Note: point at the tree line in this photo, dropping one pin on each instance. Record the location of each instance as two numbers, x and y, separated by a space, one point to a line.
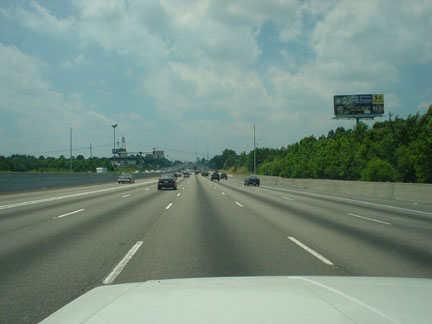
29 163
395 150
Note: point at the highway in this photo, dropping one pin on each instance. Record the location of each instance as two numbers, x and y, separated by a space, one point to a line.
56 245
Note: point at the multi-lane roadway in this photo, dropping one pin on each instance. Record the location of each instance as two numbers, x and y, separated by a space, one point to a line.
56 245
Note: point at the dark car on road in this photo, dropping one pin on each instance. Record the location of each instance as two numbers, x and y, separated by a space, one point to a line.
167 181
125 177
252 180
224 176
215 176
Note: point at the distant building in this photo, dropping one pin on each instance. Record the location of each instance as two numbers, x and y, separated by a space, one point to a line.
158 154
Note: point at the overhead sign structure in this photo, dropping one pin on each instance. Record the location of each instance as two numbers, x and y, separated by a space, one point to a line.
358 106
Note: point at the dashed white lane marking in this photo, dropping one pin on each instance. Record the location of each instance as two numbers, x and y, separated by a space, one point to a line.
147 189
125 196
178 195
367 218
314 253
238 204
183 188
71 213
25 203
169 206
223 193
114 274
287 198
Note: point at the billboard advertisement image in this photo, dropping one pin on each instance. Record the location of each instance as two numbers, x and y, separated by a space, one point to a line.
362 106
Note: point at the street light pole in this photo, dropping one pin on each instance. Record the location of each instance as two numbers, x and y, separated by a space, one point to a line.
254 152
70 160
114 127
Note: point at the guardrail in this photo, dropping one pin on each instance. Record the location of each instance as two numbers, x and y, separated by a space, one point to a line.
412 192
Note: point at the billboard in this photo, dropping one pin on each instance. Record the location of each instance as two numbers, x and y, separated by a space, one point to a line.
358 106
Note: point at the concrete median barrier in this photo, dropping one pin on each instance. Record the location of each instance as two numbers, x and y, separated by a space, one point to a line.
412 192
23 181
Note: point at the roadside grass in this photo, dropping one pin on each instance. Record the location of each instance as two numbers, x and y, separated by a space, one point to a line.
236 171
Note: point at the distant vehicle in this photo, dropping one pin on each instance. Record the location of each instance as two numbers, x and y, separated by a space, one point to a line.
101 170
196 171
186 175
215 176
204 171
224 176
252 180
177 174
125 177
167 181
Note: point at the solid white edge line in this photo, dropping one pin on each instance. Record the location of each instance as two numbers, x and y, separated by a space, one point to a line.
308 249
71 213
32 202
347 199
367 218
238 204
118 269
169 206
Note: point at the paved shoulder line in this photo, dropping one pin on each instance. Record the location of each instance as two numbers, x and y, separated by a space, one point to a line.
32 202
118 269
314 253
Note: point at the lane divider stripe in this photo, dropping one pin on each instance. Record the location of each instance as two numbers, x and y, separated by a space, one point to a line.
238 204
314 253
169 206
118 269
371 219
71 213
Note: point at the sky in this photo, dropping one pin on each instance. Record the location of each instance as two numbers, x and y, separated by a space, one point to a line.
194 76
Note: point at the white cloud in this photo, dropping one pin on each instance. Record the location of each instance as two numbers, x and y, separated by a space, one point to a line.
202 58
41 20
42 115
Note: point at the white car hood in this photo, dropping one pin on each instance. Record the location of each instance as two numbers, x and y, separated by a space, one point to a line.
255 300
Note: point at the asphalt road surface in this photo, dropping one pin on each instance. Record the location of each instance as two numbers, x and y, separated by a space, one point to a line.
56 245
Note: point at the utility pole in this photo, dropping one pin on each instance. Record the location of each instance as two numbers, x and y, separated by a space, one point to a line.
196 148
207 151
91 158
254 152
70 160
